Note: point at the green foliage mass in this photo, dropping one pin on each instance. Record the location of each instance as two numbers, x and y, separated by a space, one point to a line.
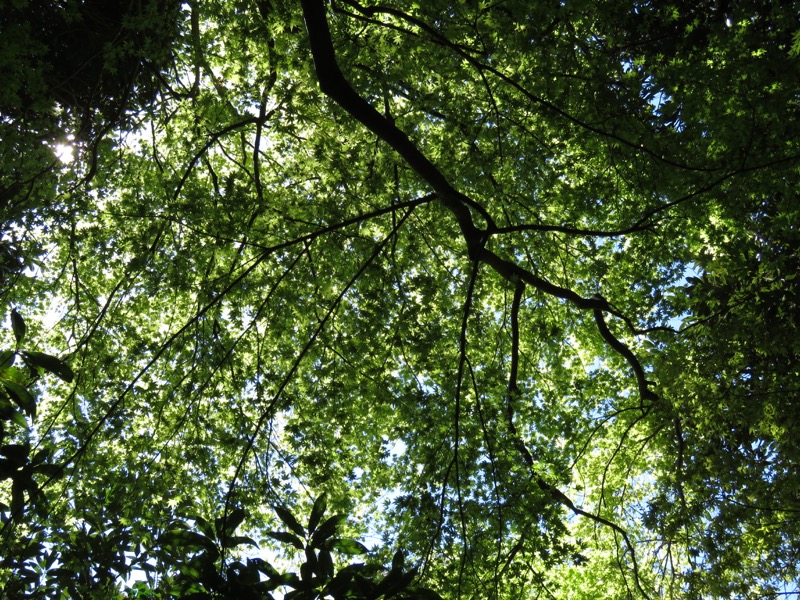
512 286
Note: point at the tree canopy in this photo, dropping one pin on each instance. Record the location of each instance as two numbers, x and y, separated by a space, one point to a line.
512 286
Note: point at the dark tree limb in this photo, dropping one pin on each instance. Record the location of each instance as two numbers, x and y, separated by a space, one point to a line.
335 85
513 390
468 55
556 494
645 393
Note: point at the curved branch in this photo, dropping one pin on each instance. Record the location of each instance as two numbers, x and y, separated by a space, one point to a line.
556 494
462 362
438 38
513 390
333 84
645 393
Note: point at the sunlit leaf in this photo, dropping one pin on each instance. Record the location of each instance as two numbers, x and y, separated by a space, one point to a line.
18 418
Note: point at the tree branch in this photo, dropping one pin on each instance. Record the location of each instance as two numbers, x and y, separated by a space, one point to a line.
465 53
543 485
333 84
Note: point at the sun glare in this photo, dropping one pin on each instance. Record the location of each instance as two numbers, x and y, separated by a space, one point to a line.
64 153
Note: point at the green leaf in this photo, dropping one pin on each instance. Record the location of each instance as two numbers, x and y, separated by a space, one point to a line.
21 396
238 540
49 469
265 567
18 418
289 520
18 325
17 499
49 363
283 536
395 582
40 456
7 359
311 560
794 50
226 525
306 575
348 546
317 512
398 560
325 564
327 530
204 526
184 538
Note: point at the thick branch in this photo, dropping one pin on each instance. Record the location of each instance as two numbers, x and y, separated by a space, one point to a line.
467 55
645 392
333 84
513 390
556 494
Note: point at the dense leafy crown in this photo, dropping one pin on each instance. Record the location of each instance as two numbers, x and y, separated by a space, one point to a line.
514 284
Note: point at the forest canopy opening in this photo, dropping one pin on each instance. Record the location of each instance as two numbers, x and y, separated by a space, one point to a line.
508 290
